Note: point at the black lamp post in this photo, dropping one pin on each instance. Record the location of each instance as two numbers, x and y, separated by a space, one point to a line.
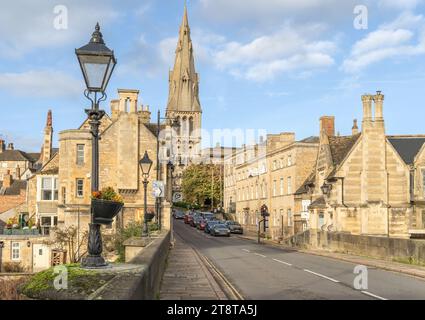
97 63
145 164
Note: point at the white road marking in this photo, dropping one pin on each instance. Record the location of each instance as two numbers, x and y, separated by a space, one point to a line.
321 275
257 254
373 295
246 250
280 261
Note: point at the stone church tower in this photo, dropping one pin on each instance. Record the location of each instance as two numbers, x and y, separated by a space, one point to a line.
183 104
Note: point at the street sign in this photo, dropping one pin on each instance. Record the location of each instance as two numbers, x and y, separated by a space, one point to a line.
177 197
158 189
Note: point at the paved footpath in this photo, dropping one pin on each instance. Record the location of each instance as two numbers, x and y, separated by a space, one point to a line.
186 277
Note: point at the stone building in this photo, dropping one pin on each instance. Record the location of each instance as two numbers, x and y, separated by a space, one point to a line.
367 183
18 163
184 104
124 138
268 173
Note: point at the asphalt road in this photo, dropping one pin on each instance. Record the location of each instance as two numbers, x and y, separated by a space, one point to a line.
266 272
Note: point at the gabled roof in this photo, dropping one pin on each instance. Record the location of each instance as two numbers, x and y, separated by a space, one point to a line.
14 189
17 155
310 180
153 127
312 139
407 147
340 146
318 203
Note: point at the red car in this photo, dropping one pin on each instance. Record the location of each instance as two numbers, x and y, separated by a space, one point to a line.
188 218
202 224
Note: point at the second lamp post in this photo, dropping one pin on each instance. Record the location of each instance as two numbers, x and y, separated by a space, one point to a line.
145 165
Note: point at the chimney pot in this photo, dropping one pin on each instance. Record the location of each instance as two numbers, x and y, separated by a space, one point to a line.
10 146
355 128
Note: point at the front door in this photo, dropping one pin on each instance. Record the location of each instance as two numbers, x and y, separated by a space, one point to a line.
41 257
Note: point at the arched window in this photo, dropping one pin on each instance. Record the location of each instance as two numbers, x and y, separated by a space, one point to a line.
179 130
184 126
190 126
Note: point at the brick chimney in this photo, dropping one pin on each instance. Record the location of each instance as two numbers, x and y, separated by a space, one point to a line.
2 145
355 128
7 180
327 125
10 146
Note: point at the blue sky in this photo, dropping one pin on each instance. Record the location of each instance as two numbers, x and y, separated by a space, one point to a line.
272 64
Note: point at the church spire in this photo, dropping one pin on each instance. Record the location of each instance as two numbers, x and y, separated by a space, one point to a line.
183 79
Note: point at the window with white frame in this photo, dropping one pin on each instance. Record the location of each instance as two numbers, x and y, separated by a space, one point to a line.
281 186
289 182
274 165
80 188
80 154
289 218
49 189
16 251
274 188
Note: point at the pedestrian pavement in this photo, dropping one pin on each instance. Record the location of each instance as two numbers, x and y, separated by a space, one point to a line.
186 277
409 269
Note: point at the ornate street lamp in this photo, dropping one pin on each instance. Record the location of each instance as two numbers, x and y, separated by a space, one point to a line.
145 164
97 63
326 189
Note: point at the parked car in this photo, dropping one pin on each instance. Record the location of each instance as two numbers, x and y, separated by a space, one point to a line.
208 215
220 229
188 217
194 222
201 225
210 224
234 227
178 214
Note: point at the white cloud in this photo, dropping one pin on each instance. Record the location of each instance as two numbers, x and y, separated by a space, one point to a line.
29 25
46 83
274 10
264 58
400 4
405 36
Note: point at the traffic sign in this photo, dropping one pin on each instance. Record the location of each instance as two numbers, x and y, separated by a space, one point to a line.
158 189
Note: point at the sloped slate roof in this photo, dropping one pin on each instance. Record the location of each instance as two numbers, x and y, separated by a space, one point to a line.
312 139
340 146
318 203
14 189
303 188
407 147
153 127
16 155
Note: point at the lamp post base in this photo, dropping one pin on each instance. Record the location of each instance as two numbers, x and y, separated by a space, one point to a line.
94 258
93 262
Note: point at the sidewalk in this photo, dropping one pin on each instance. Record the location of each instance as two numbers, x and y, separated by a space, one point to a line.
413 270
187 278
